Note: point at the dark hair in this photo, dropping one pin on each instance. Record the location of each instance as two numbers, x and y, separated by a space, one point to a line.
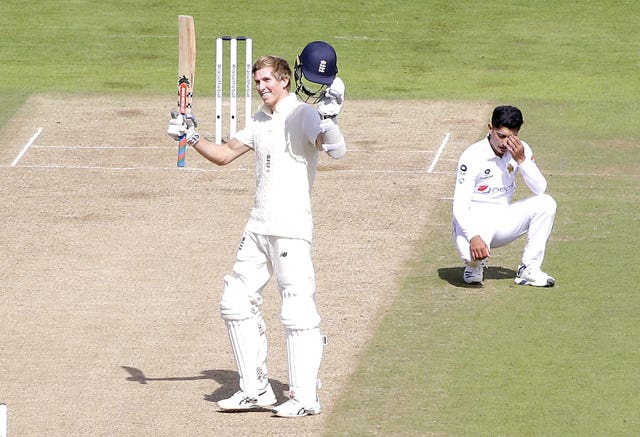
507 116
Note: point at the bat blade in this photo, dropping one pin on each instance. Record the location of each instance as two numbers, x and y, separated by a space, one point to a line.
186 74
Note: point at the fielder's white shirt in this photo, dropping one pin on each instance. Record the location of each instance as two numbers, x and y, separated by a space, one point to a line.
286 164
485 179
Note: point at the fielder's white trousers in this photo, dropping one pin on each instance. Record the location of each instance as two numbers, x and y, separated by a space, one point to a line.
260 257
500 225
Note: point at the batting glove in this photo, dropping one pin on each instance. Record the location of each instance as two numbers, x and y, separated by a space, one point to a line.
183 125
176 126
331 104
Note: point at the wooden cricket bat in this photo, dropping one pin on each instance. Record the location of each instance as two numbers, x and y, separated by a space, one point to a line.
186 74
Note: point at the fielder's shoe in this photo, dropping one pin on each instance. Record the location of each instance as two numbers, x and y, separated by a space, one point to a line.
241 401
533 276
294 408
474 272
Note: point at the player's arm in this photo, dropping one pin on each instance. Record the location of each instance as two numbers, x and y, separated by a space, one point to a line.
462 195
531 174
463 192
219 154
331 139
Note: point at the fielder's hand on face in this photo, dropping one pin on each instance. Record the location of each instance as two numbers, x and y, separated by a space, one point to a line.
515 147
331 104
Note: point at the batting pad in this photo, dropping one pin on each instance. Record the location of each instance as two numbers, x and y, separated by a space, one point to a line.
249 345
304 348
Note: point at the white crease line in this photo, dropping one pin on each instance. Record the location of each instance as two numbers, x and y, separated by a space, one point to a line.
199 169
440 149
105 147
241 169
62 147
26 147
133 168
388 151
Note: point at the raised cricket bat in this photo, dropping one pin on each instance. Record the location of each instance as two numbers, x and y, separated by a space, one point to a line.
186 74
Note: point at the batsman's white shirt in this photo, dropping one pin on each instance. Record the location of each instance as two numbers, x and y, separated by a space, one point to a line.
286 165
486 183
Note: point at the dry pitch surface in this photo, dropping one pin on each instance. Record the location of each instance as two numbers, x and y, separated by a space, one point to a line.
113 258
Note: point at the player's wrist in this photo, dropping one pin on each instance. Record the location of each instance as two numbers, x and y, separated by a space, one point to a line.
193 139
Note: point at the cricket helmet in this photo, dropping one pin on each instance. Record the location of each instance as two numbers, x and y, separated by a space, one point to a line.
317 64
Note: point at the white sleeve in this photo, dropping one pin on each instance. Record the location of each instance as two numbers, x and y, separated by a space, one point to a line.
311 124
245 136
465 183
531 173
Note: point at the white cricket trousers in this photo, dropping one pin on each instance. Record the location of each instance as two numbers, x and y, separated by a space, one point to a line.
260 257
502 224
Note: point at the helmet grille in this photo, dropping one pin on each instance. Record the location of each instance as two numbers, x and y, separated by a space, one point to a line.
309 92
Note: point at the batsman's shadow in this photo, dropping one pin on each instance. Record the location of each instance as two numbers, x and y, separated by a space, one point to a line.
453 275
228 380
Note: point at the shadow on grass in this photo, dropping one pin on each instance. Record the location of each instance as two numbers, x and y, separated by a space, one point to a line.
453 275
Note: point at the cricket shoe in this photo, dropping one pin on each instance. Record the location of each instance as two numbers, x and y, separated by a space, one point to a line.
474 272
295 408
240 401
533 276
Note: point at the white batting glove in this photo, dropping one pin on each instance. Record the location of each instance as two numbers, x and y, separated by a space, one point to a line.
177 126
331 104
183 125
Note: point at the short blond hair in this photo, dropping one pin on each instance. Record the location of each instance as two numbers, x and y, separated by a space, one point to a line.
279 66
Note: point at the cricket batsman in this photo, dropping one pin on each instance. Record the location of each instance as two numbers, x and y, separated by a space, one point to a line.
287 135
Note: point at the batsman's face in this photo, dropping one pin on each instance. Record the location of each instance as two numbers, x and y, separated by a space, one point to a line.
498 138
271 90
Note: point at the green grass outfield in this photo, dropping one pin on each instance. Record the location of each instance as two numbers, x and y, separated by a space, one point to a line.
445 360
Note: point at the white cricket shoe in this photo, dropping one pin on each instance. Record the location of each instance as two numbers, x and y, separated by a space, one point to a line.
241 401
295 408
474 272
533 276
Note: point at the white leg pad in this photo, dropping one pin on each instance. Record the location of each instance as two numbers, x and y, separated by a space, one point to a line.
304 348
249 345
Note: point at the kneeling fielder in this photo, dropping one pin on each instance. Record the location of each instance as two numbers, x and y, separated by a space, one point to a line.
484 216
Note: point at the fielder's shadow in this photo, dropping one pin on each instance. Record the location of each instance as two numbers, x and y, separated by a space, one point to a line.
228 380
453 275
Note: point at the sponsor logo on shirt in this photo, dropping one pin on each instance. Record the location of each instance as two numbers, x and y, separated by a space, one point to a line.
486 189
487 175
462 172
